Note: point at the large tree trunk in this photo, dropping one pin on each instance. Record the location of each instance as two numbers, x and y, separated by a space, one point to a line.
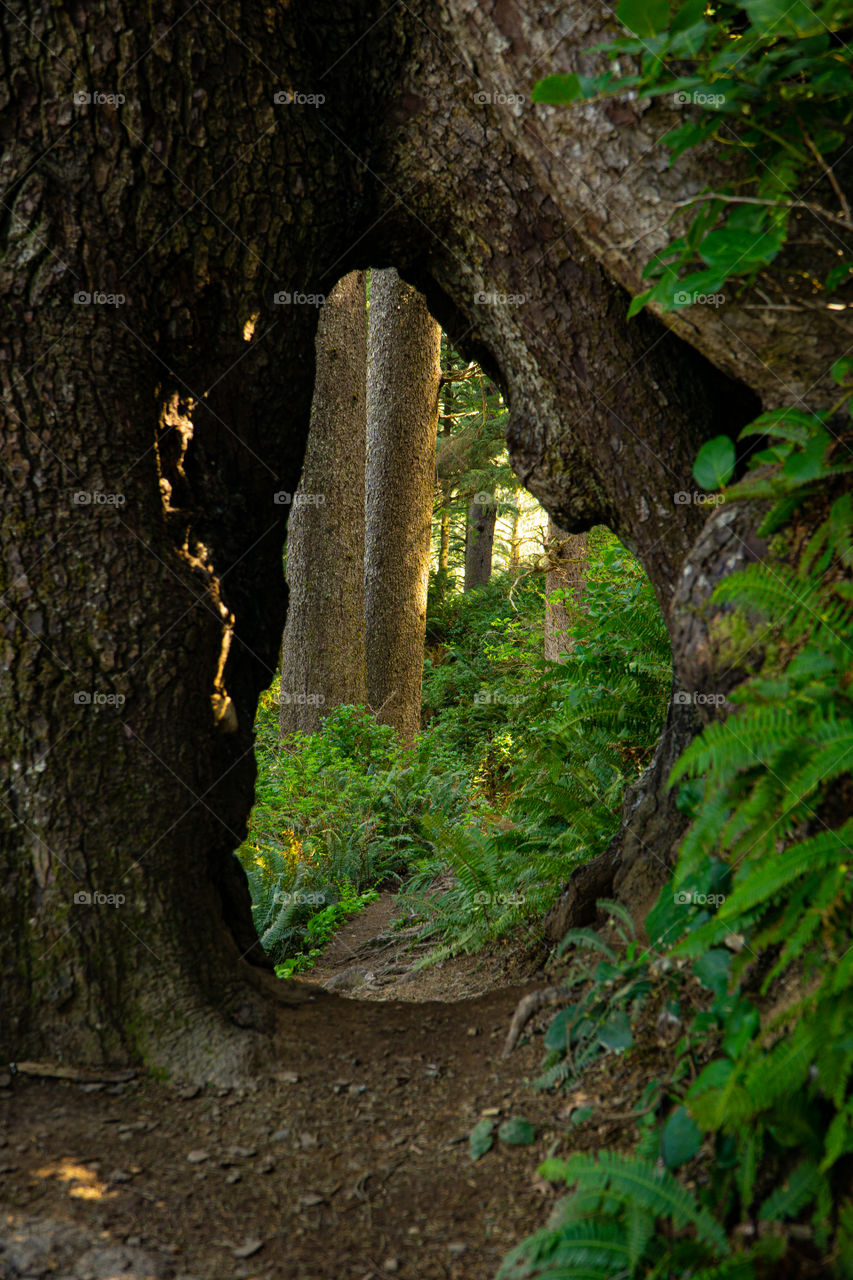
403 375
567 575
198 200
479 541
323 652
156 399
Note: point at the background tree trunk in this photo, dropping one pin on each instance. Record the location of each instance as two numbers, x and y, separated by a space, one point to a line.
568 554
479 540
402 417
515 539
323 650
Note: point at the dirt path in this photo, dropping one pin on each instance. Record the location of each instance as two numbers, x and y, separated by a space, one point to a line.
351 1164
369 959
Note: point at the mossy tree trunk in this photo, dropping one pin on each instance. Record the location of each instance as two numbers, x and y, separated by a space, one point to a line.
323 653
479 541
403 378
567 576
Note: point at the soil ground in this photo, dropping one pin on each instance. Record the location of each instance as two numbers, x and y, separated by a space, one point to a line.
352 1163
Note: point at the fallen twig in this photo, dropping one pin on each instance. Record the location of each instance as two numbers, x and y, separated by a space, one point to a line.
52 1071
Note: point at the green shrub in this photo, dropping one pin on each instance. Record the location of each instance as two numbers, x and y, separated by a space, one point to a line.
760 905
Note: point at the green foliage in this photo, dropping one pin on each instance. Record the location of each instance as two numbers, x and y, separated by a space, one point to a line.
517 1132
623 1215
321 927
609 993
769 78
481 1139
548 747
714 463
471 460
759 906
337 813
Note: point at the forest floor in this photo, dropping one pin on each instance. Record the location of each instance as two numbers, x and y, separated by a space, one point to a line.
351 1163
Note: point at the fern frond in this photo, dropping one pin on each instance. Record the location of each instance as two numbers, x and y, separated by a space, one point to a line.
799 1189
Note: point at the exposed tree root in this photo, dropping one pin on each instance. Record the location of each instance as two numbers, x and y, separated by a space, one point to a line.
527 1006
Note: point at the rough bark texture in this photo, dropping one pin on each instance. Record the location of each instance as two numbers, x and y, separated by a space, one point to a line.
403 375
479 541
568 554
323 654
199 199
607 175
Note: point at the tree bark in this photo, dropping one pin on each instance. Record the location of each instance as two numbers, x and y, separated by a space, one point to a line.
402 419
323 650
515 540
568 575
479 540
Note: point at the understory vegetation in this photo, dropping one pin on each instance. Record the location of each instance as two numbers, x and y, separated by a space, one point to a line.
517 777
750 957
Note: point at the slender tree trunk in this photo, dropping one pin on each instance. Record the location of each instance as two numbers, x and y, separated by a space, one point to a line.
479 540
402 417
445 430
514 540
323 651
444 547
568 576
